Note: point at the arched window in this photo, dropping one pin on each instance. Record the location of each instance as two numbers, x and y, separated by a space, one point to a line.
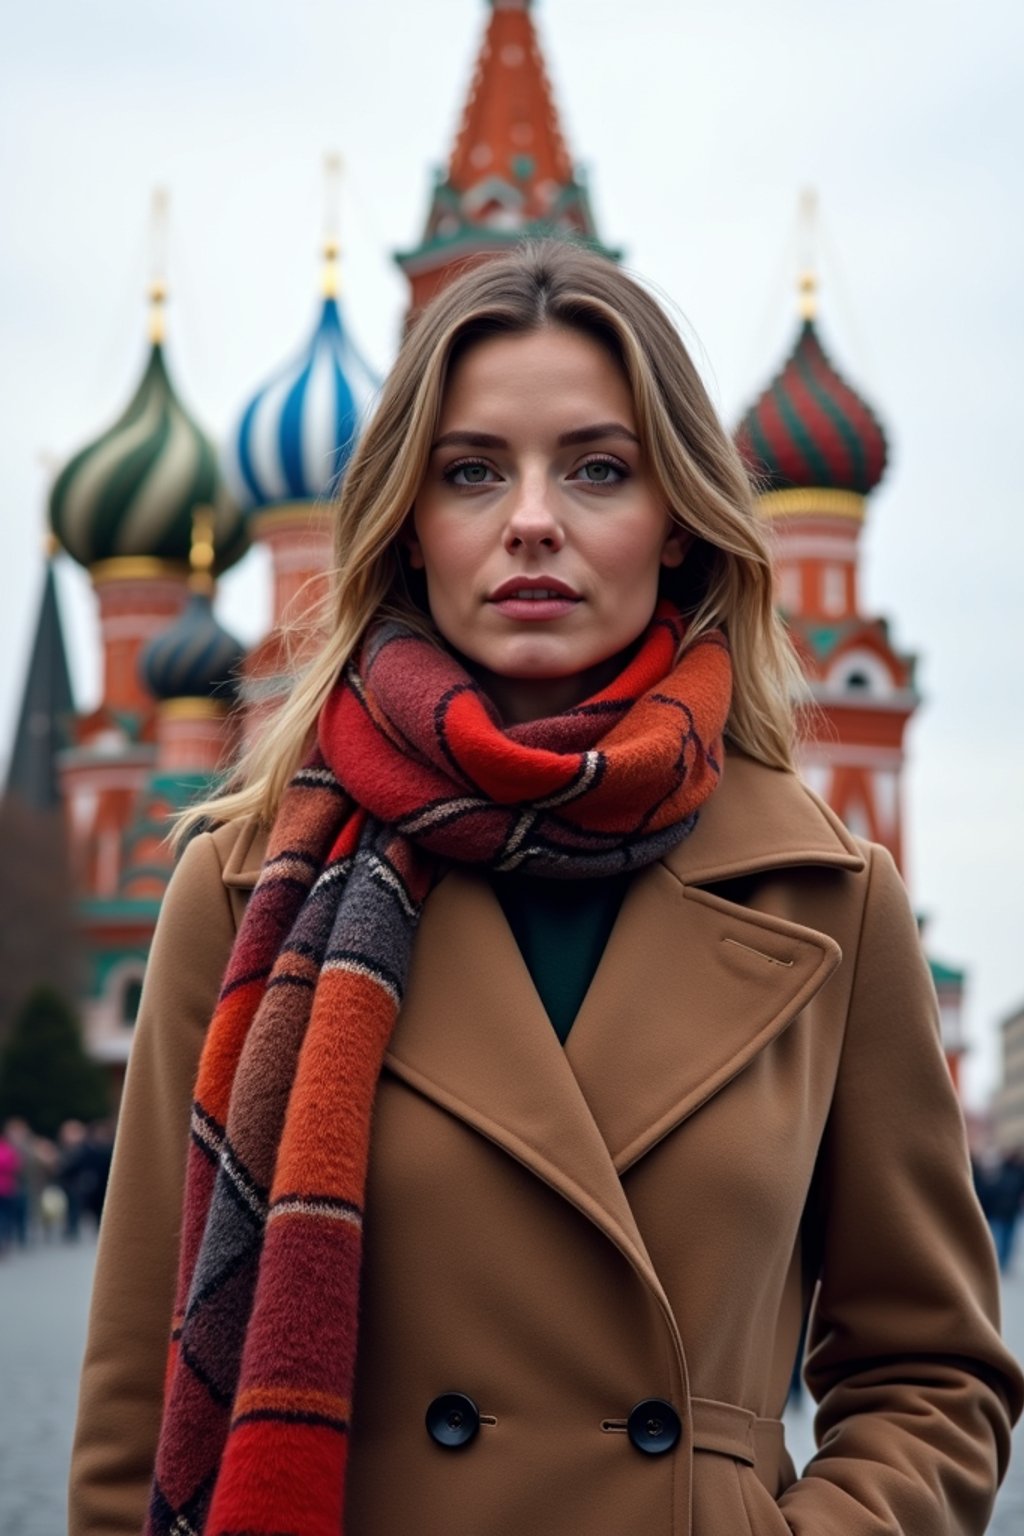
861 671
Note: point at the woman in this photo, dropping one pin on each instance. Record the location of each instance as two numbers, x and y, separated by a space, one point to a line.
658 1059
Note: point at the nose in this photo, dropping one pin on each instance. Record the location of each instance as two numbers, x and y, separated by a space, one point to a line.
532 523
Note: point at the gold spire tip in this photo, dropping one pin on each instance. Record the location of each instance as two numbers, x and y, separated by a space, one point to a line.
157 296
333 166
201 553
808 302
808 283
156 293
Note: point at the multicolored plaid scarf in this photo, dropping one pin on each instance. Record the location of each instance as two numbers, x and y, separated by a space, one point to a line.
412 771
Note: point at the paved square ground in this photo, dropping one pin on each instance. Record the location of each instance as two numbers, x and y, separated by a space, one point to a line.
44 1296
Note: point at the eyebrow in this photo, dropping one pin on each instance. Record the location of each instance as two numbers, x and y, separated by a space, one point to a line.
603 429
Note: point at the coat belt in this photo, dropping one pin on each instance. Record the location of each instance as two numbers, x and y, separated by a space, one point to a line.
737 1432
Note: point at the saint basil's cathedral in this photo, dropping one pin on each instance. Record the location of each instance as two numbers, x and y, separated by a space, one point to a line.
154 511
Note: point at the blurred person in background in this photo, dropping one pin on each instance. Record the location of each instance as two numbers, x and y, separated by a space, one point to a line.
517 931
73 1174
10 1191
32 1178
1004 1198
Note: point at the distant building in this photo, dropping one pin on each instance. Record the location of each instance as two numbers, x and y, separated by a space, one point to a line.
125 508
817 450
1009 1110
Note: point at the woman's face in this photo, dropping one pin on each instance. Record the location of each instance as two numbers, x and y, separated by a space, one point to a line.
537 525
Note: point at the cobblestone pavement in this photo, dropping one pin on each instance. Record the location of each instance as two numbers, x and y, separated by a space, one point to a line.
44 1296
44 1299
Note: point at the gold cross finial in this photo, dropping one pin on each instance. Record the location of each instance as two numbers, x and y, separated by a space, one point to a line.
157 290
333 167
807 282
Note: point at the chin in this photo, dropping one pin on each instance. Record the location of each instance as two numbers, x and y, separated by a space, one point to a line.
530 661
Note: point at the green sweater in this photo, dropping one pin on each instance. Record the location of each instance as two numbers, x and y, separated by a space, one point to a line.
561 927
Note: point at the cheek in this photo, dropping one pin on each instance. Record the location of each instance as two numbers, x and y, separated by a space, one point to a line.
628 556
443 548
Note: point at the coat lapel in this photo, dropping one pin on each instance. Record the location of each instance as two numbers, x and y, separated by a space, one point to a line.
473 1036
690 988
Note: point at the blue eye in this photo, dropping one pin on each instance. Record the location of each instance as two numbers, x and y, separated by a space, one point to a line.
602 472
468 472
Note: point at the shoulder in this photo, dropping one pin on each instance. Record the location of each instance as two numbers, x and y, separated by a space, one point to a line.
229 855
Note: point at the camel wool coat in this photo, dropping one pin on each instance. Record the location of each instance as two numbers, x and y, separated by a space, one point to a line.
608 1248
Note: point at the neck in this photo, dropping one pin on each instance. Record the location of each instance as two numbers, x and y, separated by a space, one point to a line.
521 699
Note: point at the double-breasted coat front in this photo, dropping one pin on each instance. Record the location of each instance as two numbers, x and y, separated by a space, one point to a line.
607 1249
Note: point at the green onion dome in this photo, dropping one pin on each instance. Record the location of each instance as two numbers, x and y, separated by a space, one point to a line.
195 658
132 491
810 429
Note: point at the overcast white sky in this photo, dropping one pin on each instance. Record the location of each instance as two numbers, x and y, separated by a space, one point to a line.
699 123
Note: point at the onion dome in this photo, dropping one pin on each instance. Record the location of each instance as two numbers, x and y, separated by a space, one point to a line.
810 429
195 658
297 433
132 491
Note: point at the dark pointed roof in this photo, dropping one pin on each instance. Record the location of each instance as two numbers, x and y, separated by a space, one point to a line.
47 705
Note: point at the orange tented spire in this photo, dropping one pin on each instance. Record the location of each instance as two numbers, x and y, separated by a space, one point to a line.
510 174
510 136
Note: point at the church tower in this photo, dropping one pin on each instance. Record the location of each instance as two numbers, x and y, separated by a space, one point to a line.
510 174
284 461
817 450
123 507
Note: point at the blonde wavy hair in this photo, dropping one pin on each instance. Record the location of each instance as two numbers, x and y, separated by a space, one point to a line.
725 581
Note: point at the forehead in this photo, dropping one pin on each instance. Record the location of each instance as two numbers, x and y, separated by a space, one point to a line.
546 374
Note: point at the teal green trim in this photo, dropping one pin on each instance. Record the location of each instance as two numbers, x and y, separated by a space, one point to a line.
823 638
469 237
946 975
94 911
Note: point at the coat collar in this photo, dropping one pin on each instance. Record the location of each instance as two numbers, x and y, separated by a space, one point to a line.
761 818
758 818
716 983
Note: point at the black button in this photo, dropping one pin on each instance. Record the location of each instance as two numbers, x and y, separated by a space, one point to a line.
654 1426
453 1419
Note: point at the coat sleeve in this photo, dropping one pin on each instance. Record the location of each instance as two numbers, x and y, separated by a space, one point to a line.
916 1392
121 1391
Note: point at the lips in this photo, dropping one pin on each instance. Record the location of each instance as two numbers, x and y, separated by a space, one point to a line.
533 599
533 589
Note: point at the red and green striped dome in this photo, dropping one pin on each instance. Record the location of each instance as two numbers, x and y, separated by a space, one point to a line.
810 429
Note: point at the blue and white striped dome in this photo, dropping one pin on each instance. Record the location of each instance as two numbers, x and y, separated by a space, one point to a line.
297 433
